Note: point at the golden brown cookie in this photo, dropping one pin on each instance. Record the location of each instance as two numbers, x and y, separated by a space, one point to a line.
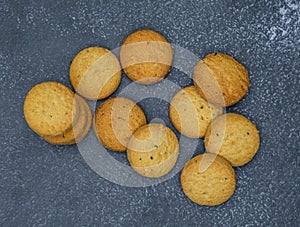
191 114
79 130
115 120
221 79
153 150
146 56
95 73
208 180
233 137
50 109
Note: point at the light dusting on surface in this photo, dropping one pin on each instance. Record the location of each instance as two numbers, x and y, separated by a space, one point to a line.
287 24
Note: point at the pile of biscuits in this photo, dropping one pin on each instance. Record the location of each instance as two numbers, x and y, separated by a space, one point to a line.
61 117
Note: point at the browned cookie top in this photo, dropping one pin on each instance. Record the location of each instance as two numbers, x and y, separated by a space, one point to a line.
153 150
95 73
208 180
115 121
221 79
233 137
50 109
191 114
146 56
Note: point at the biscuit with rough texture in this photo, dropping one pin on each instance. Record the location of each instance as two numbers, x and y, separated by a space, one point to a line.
153 150
208 180
233 137
221 79
79 130
49 108
115 120
191 114
146 56
95 73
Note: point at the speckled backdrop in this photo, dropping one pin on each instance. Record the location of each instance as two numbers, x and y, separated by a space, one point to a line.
46 185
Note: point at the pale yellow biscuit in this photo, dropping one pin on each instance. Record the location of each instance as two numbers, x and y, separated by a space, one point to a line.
146 56
50 109
79 129
208 180
221 79
153 150
115 120
95 73
191 114
233 137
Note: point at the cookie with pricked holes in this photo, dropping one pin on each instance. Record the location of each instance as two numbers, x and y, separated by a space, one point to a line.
153 150
233 137
191 114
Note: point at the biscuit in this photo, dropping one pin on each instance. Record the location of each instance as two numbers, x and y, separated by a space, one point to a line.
191 114
233 137
146 56
153 150
220 79
115 120
208 180
78 131
95 73
50 109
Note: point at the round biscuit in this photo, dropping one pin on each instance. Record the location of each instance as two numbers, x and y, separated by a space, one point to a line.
191 114
221 79
146 56
95 73
115 120
153 150
233 137
49 108
208 180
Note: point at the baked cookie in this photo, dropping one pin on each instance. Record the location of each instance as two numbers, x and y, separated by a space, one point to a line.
79 130
208 180
233 137
153 150
115 121
220 79
146 56
95 73
50 109
191 114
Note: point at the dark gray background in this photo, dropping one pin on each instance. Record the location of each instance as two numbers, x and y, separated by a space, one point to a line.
46 185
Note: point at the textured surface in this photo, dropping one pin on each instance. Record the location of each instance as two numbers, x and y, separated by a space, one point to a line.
78 130
153 150
50 108
115 121
146 56
95 73
44 184
208 179
233 137
221 79
191 114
